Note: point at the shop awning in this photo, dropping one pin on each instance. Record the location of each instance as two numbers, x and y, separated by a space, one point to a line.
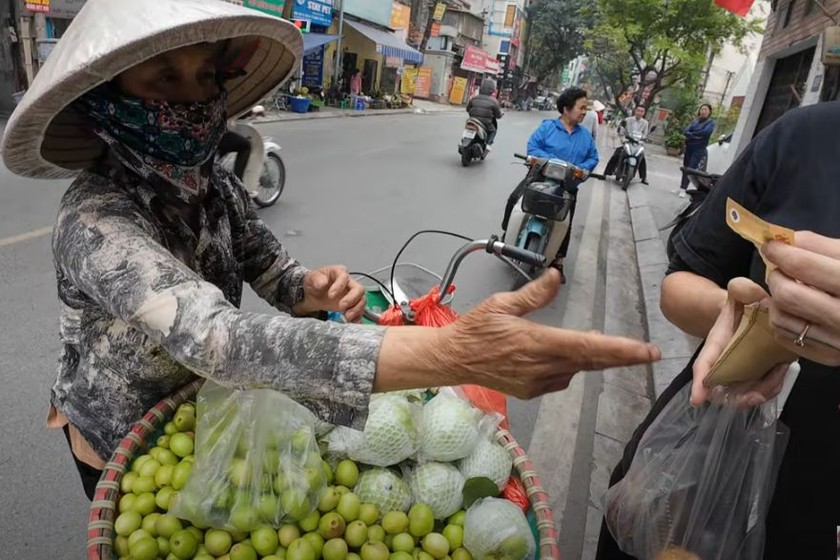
387 43
314 41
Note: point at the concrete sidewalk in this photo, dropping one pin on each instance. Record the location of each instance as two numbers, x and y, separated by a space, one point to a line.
420 107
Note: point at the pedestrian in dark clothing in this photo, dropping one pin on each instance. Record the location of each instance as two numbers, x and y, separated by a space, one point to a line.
696 140
486 109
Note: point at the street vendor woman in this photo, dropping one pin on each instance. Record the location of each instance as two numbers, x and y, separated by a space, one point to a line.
153 242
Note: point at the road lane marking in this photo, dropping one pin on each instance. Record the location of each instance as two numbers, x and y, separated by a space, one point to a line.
26 236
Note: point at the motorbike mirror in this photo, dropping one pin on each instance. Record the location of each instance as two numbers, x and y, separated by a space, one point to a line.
652 129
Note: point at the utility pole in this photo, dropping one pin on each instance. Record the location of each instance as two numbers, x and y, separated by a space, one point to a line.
429 22
729 75
339 56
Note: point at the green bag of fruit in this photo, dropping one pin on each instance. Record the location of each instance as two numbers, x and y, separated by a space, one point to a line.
256 461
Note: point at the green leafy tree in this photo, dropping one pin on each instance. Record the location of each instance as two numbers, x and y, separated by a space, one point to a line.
557 34
649 46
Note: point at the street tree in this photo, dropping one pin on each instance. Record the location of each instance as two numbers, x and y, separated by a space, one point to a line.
557 34
659 44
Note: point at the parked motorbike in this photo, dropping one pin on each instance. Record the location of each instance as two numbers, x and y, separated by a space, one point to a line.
265 173
701 185
473 143
540 220
633 151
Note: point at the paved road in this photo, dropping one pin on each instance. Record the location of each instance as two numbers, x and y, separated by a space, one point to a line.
357 188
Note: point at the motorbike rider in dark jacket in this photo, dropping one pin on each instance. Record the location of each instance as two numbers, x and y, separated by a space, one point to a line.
486 109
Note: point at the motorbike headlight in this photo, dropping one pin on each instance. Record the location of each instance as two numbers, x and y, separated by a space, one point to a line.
555 171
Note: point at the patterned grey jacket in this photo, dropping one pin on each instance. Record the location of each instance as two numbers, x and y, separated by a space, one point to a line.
147 303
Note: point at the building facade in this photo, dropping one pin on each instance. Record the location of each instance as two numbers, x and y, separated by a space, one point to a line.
792 68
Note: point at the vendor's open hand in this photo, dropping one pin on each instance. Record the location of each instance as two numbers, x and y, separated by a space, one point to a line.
806 291
741 292
495 347
332 289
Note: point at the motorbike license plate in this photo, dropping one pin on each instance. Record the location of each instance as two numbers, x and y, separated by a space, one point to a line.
469 134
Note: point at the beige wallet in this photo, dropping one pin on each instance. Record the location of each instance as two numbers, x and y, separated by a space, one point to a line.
752 352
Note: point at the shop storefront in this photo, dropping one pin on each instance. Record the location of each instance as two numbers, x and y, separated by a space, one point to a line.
467 77
376 52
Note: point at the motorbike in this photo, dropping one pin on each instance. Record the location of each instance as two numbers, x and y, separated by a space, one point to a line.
701 185
633 151
473 143
265 173
540 220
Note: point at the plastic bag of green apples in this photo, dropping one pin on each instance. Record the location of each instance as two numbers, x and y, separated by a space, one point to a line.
256 461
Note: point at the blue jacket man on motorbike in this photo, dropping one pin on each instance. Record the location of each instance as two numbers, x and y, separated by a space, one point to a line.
566 140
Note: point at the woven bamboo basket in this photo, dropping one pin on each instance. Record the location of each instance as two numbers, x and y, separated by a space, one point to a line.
103 508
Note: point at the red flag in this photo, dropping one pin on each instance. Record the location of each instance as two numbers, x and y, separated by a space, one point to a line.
738 7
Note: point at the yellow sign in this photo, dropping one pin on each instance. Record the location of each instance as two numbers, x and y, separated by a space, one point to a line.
831 46
409 76
400 16
38 6
423 83
440 9
459 87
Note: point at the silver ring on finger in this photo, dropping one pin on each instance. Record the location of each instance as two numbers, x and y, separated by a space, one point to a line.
800 340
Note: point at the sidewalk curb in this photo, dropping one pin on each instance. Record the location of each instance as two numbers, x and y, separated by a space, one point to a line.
677 347
351 114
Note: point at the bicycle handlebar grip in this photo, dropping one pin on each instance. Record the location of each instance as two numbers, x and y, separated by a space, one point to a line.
520 156
528 257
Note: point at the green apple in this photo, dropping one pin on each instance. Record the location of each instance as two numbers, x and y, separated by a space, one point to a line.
455 535
328 472
149 468
395 522
163 497
296 505
239 472
126 503
347 473
145 503
183 544
144 484
288 533
310 522
316 542
244 517
353 556
356 534
400 555
374 551
166 457
264 540
139 462
169 428
128 522
300 549
163 441
514 547
402 542
184 421
457 518
144 548
218 542
301 439
349 506
376 533
436 545
269 507
421 520
328 499
181 474
243 551
332 525
335 549
181 444
164 547
461 554
163 476
121 546
149 523
167 525
127 481
369 514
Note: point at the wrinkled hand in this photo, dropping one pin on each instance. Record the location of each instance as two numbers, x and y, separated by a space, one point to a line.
494 346
332 289
741 292
806 290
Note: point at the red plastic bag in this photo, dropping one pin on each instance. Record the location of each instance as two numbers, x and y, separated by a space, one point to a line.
429 312
515 492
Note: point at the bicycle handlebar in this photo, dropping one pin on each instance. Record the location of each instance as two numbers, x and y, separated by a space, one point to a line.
492 246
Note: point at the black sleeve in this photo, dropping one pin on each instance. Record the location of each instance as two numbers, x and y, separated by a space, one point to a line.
497 110
706 246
